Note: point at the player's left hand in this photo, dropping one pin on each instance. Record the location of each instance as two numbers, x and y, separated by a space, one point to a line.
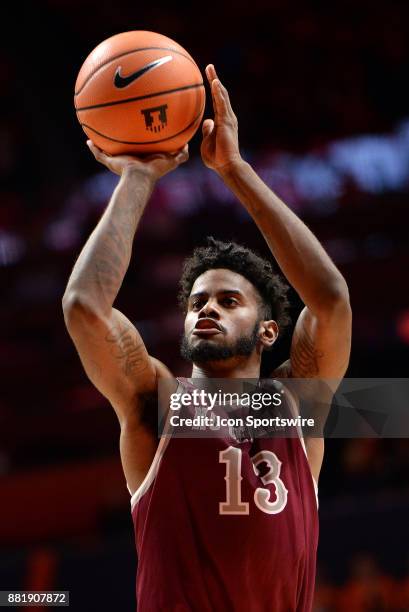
220 145
154 166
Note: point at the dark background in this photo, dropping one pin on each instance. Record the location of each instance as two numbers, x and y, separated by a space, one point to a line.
303 79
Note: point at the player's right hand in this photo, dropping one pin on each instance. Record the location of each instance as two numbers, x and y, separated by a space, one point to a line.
154 166
220 145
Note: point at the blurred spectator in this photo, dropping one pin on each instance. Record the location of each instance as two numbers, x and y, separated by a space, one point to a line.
368 589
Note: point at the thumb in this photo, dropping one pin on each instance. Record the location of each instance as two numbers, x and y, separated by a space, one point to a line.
207 127
97 152
182 155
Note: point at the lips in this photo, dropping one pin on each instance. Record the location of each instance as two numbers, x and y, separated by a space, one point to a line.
206 327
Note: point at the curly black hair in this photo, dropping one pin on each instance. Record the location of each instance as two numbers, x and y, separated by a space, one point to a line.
216 254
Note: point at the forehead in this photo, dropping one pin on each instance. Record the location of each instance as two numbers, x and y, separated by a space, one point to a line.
220 280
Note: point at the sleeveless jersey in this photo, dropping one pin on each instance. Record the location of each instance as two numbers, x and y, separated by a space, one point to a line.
226 526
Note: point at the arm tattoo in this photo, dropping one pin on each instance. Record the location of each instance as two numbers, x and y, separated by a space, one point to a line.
304 357
128 348
114 252
103 262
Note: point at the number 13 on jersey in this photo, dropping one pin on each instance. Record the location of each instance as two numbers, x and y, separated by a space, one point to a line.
232 457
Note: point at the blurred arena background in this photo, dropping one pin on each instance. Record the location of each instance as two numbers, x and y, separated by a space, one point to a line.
322 97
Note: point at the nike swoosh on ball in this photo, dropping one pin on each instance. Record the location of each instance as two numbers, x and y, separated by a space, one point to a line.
120 82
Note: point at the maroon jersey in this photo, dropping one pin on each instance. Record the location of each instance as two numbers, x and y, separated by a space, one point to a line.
222 525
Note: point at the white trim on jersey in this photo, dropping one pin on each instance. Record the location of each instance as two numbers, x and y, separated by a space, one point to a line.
157 458
295 413
152 472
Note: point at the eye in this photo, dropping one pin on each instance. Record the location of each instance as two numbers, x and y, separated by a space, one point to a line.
197 304
229 301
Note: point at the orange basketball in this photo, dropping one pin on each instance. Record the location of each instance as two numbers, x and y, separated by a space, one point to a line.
139 92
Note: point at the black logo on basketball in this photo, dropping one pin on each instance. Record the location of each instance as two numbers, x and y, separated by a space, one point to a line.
123 81
155 118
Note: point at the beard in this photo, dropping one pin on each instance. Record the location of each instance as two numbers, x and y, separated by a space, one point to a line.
206 351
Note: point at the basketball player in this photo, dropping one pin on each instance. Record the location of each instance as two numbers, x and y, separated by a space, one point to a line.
221 524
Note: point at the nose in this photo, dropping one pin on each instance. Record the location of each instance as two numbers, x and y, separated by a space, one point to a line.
209 310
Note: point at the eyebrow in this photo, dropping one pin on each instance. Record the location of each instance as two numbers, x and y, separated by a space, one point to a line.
221 292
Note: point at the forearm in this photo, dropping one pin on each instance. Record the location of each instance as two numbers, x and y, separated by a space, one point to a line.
102 264
297 251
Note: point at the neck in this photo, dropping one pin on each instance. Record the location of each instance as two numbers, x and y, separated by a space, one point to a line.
230 368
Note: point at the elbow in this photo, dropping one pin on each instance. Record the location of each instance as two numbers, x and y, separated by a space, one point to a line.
78 309
335 301
339 292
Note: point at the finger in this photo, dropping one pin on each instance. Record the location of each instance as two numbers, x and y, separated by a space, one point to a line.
92 146
185 149
225 110
212 78
211 73
154 156
183 155
207 127
214 102
219 103
226 99
96 151
174 153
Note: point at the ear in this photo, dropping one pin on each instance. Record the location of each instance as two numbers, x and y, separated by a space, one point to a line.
268 333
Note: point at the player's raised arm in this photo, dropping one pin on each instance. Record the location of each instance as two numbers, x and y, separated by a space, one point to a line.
111 349
322 337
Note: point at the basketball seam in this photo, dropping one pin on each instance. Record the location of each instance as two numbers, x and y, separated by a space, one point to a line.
151 95
115 57
149 142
